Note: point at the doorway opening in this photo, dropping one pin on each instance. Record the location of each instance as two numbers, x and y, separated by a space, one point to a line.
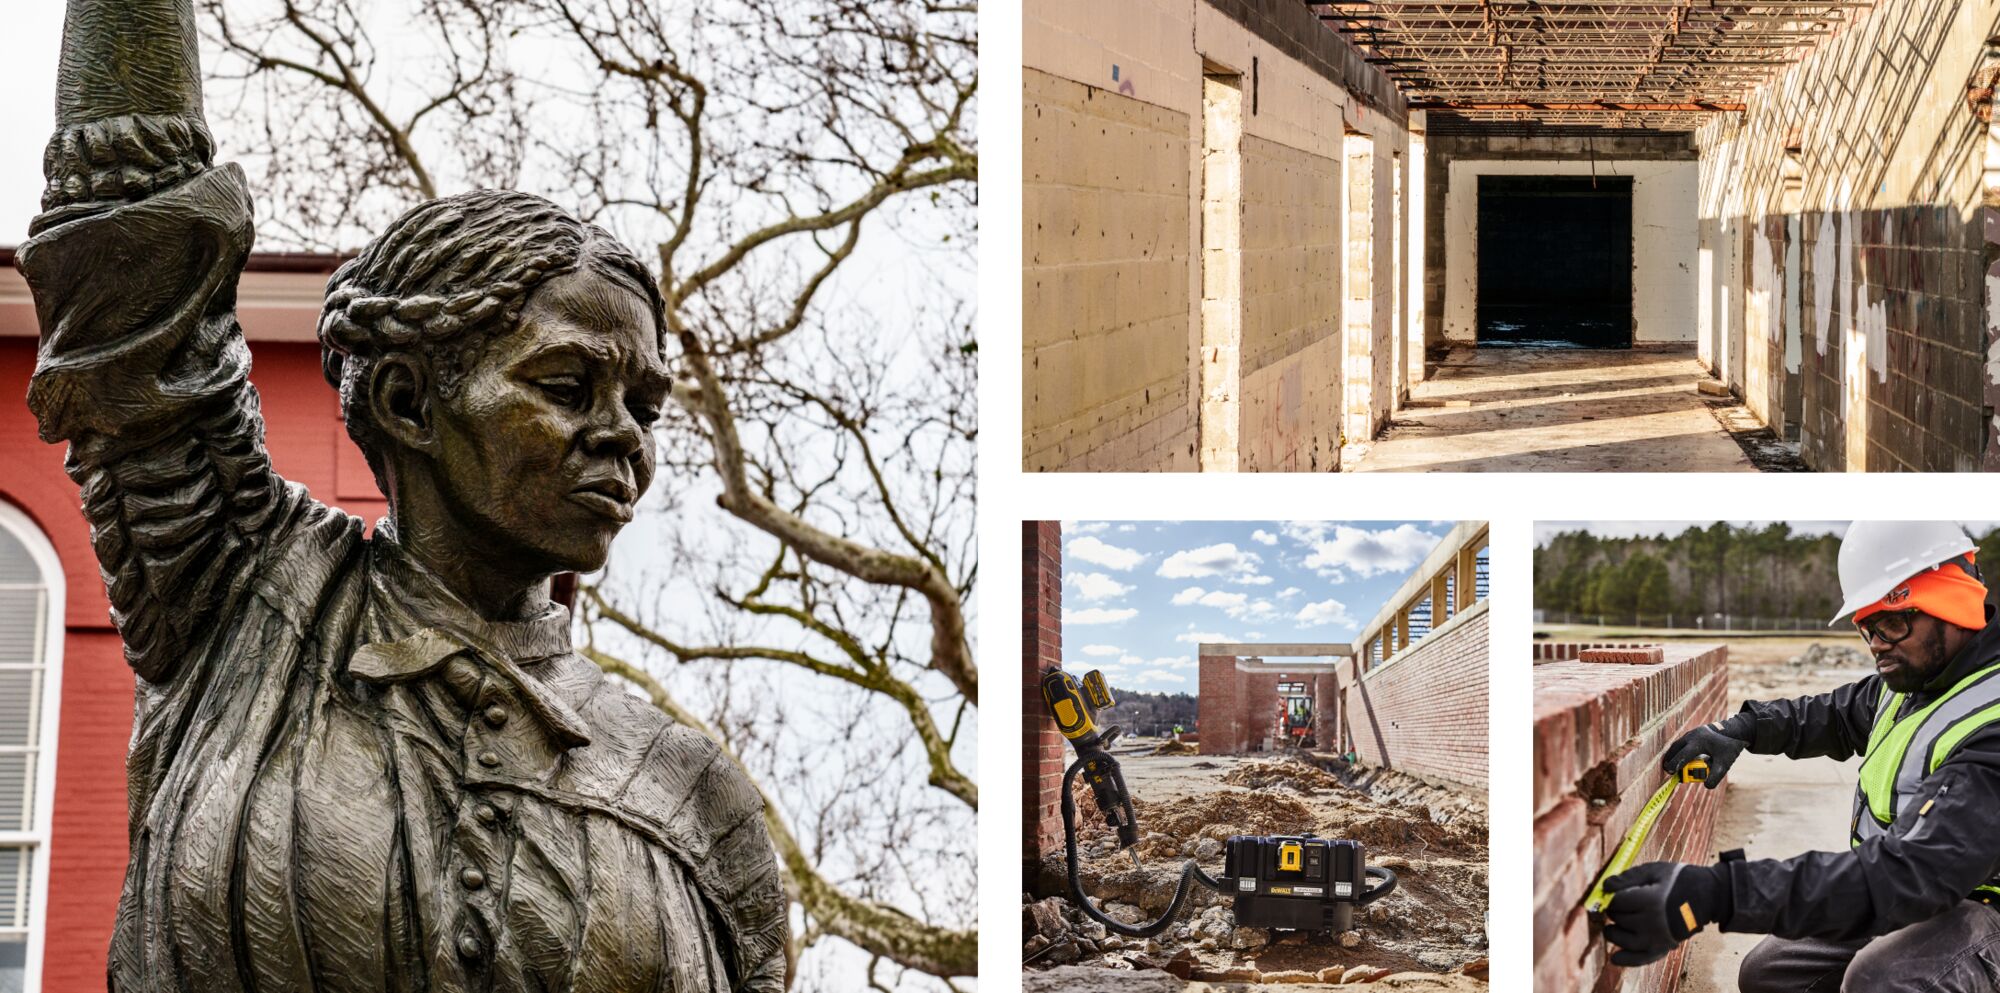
1555 261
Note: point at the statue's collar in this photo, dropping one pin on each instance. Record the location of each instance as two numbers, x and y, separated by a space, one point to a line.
429 625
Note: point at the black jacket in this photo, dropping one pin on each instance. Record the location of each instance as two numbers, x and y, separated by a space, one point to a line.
1893 880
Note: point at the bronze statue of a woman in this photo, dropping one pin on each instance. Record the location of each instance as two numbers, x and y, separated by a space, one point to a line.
372 763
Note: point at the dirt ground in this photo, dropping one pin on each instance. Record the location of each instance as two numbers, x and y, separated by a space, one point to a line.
1431 932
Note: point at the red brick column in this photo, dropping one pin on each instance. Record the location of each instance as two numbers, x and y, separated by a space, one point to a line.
1215 703
1041 650
1326 712
1600 728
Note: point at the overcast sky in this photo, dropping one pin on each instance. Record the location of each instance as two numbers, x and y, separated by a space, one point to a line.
1139 596
28 49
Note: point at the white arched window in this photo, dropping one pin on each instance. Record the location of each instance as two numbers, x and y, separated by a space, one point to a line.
31 590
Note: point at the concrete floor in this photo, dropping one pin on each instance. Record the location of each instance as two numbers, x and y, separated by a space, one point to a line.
1776 808
1558 410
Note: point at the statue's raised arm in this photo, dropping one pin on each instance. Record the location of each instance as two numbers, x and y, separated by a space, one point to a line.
128 102
142 368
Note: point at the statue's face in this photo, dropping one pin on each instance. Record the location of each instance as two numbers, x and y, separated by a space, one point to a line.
547 445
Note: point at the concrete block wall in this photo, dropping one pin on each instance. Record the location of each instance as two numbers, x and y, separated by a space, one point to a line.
1105 281
1114 263
1042 755
1424 711
1600 729
1291 249
1882 319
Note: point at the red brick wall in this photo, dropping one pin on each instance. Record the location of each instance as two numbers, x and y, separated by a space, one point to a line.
1042 757
1425 712
87 848
1600 729
1238 709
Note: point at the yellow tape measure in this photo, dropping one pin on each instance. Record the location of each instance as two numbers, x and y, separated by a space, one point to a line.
1635 837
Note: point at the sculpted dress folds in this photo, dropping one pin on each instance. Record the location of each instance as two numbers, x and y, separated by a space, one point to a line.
343 775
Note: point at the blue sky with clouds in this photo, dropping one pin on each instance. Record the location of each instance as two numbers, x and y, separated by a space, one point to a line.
1138 596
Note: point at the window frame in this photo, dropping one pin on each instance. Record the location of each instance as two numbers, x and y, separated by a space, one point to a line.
39 836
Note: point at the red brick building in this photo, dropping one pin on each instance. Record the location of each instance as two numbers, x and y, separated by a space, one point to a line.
65 691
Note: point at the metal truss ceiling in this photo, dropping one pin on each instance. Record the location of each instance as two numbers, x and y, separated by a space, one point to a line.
1654 64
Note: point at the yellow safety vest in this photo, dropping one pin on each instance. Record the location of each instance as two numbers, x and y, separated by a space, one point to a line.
1905 749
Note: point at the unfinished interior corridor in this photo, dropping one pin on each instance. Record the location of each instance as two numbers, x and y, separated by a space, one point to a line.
1426 235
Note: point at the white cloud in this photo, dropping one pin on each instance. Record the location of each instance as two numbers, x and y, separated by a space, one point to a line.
1168 662
1093 527
1096 585
1226 601
1263 537
1101 650
1099 615
1366 553
1254 636
1289 592
1323 613
1197 637
1222 559
1236 605
1109 556
1163 676
1252 580
1127 528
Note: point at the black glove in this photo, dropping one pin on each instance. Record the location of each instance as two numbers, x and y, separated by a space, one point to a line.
1658 905
1709 740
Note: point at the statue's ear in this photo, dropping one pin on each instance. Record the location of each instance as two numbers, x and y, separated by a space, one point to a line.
399 402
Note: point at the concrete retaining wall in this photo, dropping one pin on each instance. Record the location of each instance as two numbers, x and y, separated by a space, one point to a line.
1600 730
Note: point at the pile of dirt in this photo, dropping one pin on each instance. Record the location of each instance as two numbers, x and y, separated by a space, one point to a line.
1172 747
1432 836
1288 773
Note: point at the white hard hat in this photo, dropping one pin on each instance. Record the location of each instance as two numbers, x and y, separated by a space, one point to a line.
1876 556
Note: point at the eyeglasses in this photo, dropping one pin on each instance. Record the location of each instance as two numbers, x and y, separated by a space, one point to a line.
1890 626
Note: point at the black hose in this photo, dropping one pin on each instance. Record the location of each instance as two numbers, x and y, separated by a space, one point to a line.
1190 873
1377 892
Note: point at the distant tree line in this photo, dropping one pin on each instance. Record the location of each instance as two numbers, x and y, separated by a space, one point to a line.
1766 571
1149 713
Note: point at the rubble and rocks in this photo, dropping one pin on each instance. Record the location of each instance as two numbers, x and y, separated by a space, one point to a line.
1172 747
1823 656
1428 935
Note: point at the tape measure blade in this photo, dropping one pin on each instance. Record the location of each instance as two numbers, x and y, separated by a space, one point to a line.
1628 847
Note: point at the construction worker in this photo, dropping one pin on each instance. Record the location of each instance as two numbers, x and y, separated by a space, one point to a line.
1910 904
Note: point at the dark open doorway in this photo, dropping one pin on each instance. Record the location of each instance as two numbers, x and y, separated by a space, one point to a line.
1555 261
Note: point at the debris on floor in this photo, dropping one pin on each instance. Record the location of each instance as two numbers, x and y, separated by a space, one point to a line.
1434 837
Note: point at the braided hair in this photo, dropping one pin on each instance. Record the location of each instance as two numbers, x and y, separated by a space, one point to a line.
445 279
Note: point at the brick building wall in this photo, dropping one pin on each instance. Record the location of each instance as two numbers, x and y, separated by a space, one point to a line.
1042 756
1422 713
1841 211
87 850
1600 729
1238 709
1425 711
